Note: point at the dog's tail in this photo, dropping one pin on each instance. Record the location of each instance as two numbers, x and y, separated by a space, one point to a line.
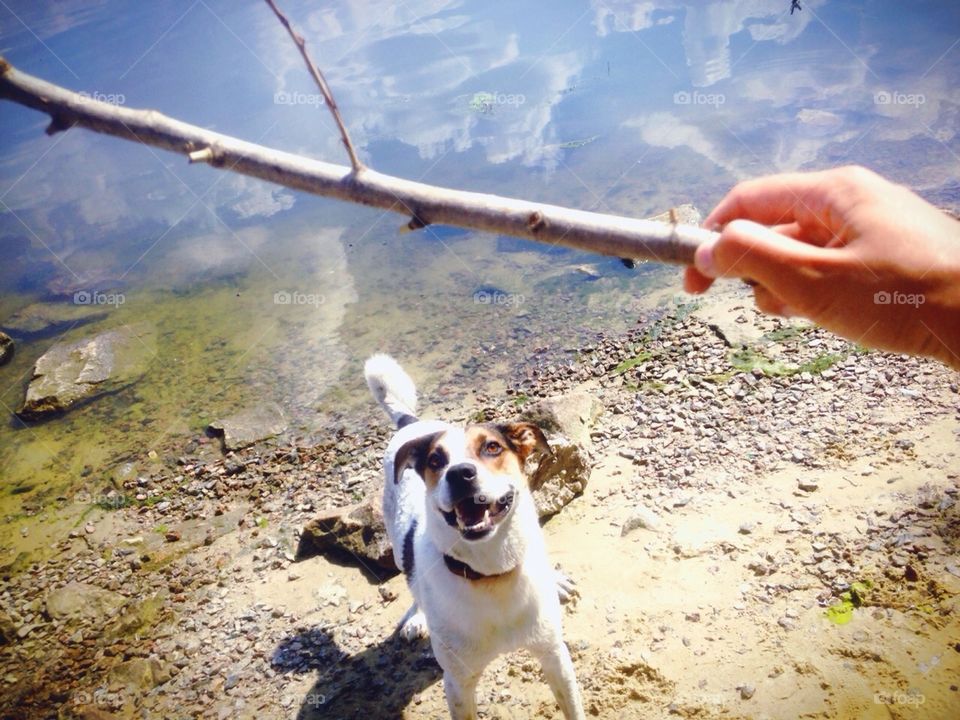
392 388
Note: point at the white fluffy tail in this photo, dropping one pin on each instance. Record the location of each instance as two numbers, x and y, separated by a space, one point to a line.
392 388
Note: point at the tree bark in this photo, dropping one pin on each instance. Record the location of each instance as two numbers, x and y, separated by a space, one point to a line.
424 204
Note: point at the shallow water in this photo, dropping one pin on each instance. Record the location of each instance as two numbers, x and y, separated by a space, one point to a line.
259 293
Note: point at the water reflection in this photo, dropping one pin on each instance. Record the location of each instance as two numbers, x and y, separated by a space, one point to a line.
259 292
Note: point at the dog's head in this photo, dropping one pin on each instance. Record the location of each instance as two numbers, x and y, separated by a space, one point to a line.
473 474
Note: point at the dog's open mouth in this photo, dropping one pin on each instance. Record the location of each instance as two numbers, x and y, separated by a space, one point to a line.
475 518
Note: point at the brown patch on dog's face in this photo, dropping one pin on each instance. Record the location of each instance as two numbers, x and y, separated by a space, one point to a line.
487 444
418 453
525 437
434 461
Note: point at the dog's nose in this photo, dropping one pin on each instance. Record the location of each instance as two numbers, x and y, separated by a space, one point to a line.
462 480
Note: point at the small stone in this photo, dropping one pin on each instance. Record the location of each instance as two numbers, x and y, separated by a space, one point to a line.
808 485
171 536
910 574
641 518
692 617
747 528
747 691
787 623
387 593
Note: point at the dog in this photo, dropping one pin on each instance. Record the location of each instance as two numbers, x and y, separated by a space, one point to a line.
465 532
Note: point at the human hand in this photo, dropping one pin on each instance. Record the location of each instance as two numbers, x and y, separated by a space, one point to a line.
846 248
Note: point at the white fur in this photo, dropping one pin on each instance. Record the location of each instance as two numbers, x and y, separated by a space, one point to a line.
471 622
391 386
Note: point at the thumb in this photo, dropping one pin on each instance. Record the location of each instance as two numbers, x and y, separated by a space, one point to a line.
749 250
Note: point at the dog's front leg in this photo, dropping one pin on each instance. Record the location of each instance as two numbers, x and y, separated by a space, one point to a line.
459 684
561 677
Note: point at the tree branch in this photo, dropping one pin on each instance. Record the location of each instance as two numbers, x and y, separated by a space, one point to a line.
322 84
425 204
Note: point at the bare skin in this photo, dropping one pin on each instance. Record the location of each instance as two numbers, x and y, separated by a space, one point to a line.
846 248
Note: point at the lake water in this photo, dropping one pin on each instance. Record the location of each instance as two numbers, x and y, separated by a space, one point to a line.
258 292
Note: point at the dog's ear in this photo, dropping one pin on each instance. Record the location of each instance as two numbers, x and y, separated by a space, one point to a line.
413 453
525 438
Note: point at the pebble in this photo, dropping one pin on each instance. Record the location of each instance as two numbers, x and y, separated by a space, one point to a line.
642 518
747 691
747 528
808 485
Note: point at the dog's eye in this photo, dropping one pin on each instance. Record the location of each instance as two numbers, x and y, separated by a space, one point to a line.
436 460
492 448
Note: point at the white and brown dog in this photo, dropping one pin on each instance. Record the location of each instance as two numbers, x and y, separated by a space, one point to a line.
464 529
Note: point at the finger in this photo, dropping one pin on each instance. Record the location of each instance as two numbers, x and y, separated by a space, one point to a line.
773 200
695 282
786 266
770 304
790 230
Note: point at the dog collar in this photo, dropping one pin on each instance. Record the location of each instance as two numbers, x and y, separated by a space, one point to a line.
461 569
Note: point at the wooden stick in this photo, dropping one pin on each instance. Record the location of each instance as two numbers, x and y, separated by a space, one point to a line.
425 204
322 84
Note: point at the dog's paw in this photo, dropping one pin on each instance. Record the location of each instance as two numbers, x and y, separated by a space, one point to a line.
566 588
414 627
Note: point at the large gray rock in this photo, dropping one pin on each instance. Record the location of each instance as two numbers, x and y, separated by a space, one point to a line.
83 601
6 348
572 415
560 477
356 530
46 318
71 373
250 426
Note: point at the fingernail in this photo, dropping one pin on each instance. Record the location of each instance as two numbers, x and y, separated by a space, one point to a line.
703 260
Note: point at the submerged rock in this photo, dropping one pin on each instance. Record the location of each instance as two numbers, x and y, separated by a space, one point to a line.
249 426
81 600
47 318
6 348
71 373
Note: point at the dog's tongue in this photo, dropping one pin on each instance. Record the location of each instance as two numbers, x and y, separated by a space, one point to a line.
471 513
